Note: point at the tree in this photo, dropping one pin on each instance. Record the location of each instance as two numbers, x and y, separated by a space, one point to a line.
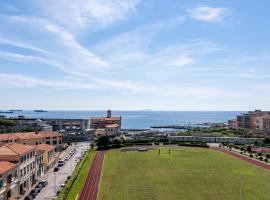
117 142
103 141
249 149
5 124
266 140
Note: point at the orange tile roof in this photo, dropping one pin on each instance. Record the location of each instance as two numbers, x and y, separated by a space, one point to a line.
36 135
15 149
106 118
7 136
28 135
45 147
6 166
112 126
39 151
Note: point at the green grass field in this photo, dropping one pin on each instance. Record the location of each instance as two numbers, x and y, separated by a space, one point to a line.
188 174
79 183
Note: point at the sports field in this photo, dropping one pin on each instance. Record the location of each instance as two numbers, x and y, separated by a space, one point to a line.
187 173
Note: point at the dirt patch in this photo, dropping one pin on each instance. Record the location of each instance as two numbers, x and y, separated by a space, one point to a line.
135 148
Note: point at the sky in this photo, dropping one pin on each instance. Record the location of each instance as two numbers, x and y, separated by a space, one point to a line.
135 54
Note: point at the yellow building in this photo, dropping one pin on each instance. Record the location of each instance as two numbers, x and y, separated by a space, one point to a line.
50 157
8 180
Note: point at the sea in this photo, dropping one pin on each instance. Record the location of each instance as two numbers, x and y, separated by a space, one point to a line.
138 119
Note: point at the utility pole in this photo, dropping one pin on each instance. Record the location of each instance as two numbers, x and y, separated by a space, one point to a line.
54 183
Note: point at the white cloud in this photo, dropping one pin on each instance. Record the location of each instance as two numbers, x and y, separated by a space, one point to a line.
79 14
67 84
208 14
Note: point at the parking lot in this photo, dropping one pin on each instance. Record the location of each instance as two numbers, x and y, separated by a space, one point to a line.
57 179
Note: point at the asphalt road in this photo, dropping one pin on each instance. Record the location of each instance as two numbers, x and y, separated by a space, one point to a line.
55 179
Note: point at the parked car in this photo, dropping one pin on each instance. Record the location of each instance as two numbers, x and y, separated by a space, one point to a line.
43 183
56 169
29 197
38 188
61 163
33 193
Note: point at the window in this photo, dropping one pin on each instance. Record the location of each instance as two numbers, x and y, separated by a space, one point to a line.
9 178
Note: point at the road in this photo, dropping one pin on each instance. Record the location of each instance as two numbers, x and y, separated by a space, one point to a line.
91 186
55 179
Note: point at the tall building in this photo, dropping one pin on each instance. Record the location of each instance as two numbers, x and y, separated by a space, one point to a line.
248 120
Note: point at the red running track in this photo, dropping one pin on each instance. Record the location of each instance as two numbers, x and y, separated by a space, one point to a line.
241 157
90 189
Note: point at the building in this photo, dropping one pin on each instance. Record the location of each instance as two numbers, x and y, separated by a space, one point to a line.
106 125
230 140
40 168
34 138
36 124
50 157
25 156
23 124
263 124
247 120
8 180
243 121
68 125
232 124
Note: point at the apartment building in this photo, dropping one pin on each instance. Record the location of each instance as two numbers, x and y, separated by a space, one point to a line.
25 157
106 125
247 120
263 124
232 124
9 179
50 157
40 168
34 138
231 140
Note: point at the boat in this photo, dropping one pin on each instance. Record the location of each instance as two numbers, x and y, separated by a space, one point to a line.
15 110
6 111
40 111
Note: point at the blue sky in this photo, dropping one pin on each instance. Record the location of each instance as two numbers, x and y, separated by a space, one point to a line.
134 54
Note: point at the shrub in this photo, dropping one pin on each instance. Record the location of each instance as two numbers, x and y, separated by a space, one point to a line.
267 155
265 160
241 152
249 149
251 155
260 154
260 158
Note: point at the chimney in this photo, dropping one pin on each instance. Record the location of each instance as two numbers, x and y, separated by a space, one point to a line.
109 113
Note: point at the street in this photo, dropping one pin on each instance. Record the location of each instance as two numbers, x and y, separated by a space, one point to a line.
55 179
